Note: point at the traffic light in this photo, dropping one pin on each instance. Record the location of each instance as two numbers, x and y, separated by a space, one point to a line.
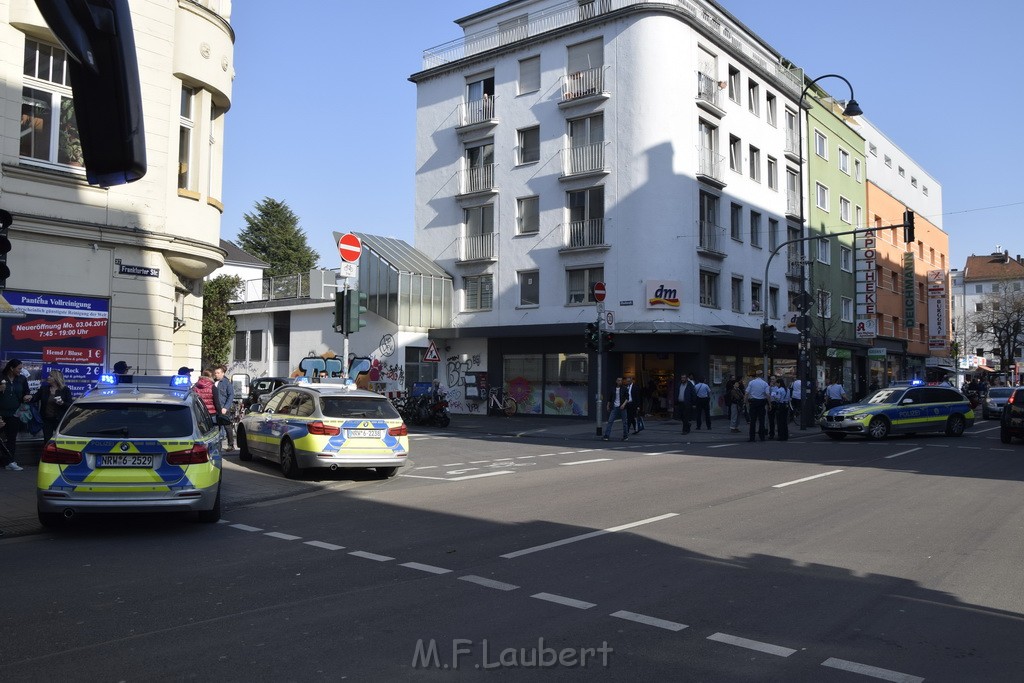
356 308
590 337
104 70
908 226
609 341
339 311
5 246
767 338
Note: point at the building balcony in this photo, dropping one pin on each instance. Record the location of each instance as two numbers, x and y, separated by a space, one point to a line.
793 205
585 234
792 149
583 160
477 114
482 247
709 167
794 268
708 95
477 180
583 87
711 240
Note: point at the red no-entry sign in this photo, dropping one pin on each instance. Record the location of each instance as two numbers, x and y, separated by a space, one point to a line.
599 291
350 247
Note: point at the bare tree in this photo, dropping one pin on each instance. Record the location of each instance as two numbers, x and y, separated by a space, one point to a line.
999 325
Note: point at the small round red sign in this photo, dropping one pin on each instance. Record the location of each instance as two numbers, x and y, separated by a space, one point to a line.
350 247
599 291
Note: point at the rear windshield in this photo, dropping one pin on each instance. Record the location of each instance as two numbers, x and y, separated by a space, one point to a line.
128 421
358 406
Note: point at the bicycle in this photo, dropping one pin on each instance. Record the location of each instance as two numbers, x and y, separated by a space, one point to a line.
502 403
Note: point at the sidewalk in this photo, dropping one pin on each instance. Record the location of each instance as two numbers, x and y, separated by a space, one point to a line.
18 489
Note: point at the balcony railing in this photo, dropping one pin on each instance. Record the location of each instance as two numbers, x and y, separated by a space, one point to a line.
793 203
792 143
478 111
584 159
707 89
478 247
585 233
478 179
572 11
794 266
271 288
583 84
709 163
712 237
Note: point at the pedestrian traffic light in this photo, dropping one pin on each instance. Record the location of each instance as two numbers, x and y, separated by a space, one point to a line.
339 311
590 336
767 338
609 341
356 308
5 246
908 226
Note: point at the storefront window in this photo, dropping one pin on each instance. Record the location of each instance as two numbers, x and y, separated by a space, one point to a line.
565 384
524 381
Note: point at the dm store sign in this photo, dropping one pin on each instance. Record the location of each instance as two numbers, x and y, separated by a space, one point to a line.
663 294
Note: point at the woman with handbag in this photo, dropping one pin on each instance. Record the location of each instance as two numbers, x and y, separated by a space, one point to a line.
13 394
52 399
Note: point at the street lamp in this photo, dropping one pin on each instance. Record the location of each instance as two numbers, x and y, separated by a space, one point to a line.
804 363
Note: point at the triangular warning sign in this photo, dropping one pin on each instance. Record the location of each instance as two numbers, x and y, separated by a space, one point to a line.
431 356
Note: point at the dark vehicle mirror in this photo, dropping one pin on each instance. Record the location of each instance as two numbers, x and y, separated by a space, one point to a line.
255 408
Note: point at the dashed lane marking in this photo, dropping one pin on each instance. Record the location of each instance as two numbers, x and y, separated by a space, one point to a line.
429 568
767 648
583 537
562 600
325 546
585 462
800 481
649 621
370 556
488 583
245 527
468 476
724 445
283 537
872 671
896 455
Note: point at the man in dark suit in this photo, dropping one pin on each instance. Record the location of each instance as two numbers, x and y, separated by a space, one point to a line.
224 394
687 398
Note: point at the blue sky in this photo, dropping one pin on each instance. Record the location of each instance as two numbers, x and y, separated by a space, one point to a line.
323 114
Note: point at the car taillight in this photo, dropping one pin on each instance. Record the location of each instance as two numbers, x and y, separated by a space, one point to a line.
59 456
320 429
1012 396
196 455
398 431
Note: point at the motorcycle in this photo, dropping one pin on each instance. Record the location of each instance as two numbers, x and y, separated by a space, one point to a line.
427 410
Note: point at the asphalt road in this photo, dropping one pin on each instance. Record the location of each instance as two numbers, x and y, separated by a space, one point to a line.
809 560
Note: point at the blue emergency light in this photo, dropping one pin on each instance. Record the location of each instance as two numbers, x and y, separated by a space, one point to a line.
181 381
109 378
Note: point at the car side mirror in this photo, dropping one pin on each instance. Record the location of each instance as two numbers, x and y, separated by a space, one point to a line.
255 408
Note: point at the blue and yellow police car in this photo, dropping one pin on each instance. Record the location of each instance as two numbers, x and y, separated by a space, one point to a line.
329 425
145 446
902 408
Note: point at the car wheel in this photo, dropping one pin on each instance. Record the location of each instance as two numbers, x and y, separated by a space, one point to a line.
289 464
213 514
1004 435
955 425
52 520
878 428
243 446
838 436
386 472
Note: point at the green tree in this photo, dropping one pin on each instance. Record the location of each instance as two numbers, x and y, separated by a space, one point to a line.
272 234
218 326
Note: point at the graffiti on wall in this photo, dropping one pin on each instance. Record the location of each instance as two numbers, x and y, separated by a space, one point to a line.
455 378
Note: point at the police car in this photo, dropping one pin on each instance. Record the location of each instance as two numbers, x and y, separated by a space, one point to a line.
145 446
329 425
902 408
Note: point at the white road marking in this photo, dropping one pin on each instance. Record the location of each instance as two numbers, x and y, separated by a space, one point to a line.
488 583
462 470
585 450
546 455
245 527
570 452
970 448
371 556
525 457
453 464
468 476
283 537
477 462
873 671
767 648
429 568
562 600
325 546
584 462
800 481
724 445
1005 450
982 431
649 621
583 537
427 467
896 455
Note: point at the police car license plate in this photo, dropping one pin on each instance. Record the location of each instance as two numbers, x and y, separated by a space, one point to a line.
363 433
834 424
112 460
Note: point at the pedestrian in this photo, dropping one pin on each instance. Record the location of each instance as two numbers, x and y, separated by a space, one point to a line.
187 371
207 392
735 405
687 398
770 409
52 399
617 410
633 407
121 368
13 395
703 393
796 393
835 394
780 401
757 402
225 394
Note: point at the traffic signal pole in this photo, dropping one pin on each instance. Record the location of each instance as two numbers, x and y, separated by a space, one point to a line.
600 377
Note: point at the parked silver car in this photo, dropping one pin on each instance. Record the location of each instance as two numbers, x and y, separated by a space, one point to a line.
995 399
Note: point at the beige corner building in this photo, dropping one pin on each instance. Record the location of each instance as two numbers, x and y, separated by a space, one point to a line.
133 255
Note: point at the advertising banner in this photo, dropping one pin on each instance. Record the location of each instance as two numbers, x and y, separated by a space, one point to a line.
909 301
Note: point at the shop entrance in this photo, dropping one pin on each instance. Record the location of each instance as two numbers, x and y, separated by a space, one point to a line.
655 374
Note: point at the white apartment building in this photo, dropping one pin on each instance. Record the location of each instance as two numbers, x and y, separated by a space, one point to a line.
651 146
105 275
986 281
893 170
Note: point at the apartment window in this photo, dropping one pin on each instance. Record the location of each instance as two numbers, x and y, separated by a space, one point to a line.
49 131
480 164
586 215
924 190
529 288
185 128
920 291
755 229
894 281
979 328
820 144
824 303
770 110
979 307
734 84
931 255
913 181
859 222
942 265
821 197
773 234
581 282
846 259
586 144
995 304
529 145
479 292
256 345
529 75
824 250
709 288
978 289
856 170
773 174
755 164
888 161
844 161
735 154
844 209
736 222
755 297
528 215
585 56
847 309
979 351
872 149
903 173
240 346
1016 286
737 294
479 99
753 97
773 302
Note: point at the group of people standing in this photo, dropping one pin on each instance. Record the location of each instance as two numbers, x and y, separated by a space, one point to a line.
17 403
625 403
218 395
